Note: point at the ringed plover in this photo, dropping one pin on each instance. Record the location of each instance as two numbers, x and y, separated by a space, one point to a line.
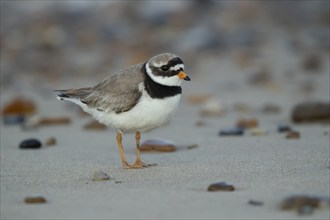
136 99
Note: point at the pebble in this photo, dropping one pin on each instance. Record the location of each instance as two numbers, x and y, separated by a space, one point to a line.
95 125
221 186
35 200
304 204
20 106
100 176
31 123
231 132
13 119
292 135
54 121
51 141
30 144
283 128
311 112
213 108
258 132
247 123
255 203
157 145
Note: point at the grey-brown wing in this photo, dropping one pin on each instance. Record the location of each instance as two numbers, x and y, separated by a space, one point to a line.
119 92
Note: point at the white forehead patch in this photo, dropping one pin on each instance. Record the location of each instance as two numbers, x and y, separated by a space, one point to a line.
177 67
158 64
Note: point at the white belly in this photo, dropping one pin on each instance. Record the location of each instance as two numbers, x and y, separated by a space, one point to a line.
146 115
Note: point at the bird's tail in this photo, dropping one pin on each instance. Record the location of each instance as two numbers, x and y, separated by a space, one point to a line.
61 94
73 95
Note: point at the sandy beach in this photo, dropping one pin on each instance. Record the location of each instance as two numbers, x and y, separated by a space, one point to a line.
265 168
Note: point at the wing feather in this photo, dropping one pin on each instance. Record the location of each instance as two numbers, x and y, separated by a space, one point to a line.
119 92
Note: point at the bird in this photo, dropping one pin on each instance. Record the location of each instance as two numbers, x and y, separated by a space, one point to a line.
137 99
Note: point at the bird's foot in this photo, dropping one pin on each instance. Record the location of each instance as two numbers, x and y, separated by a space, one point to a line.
138 165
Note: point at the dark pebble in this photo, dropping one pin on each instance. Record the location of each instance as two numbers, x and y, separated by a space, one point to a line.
231 132
283 128
13 119
255 203
311 112
221 186
30 144
34 200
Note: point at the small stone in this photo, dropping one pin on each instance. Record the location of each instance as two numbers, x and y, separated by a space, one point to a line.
20 106
298 201
13 119
221 186
284 128
213 108
51 141
311 112
100 176
247 123
35 200
232 132
54 121
292 135
30 144
31 123
95 125
255 203
198 99
157 145
258 132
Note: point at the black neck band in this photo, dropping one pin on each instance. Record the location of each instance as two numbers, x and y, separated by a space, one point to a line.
156 90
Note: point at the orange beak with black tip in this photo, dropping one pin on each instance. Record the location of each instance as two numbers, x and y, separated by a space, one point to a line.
183 75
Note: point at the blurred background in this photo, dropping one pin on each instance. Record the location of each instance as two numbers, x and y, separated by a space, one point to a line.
52 44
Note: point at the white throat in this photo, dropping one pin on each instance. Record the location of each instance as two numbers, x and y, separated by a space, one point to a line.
167 81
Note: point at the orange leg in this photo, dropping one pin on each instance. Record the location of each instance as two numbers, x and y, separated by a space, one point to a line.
121 150
138 163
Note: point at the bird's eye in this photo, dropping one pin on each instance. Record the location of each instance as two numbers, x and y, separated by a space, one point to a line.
164 68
